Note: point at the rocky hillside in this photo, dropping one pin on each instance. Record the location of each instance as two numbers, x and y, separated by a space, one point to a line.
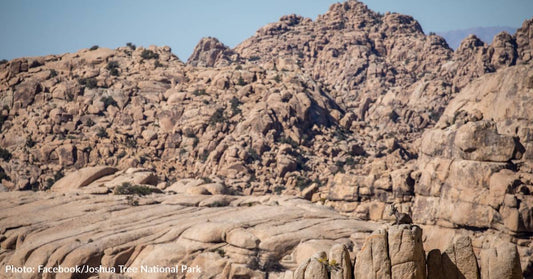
354 110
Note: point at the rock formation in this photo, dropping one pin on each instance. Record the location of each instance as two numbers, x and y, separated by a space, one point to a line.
354 110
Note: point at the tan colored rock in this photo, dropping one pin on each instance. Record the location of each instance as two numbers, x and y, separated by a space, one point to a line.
406 252
459 260
500 259
373 260
340 262
81 178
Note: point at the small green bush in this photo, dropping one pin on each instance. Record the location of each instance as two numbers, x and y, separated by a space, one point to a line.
217 117
235 103
303 182
88 82
95 47
89 122
3 61
102 133
252 156
241 82
279 189
35 64
30 142
277 78
254 58
148 54
131 142
204 156
128 189
288 140
158 64
5 154
113 67
53 73
131 46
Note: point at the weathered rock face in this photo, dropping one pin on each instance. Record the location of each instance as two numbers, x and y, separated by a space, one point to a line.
354 110
500 259
247 236
457 261
211 52
373 260
406 252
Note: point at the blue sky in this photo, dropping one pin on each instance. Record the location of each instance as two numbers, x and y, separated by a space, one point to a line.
32 28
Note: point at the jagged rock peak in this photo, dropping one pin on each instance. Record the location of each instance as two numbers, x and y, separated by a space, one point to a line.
470 42
524 40
210 52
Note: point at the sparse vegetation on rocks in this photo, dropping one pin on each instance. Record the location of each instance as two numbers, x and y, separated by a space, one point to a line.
127 188
149 54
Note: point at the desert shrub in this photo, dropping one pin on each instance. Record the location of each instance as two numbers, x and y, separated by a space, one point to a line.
288 140
241 81
279 189
112 67
51 180
207 179
35 64
3 61
89 122
148 54
254 58
217 117
131 46
303 182
30 142
277 78
88 82
158 64
204 156
132 201
108 101
95 47
235 103
341 133
127 188
5 154
53 73
131 142
252 156
3 175
102 133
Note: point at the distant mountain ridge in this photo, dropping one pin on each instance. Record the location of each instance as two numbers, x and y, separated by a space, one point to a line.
486 34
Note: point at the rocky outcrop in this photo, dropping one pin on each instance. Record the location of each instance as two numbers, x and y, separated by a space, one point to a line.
81 178
373 260
250 236
474 167
210 52
457 261
500 259
355 110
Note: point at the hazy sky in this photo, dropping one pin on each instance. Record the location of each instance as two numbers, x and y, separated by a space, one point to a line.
31 28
